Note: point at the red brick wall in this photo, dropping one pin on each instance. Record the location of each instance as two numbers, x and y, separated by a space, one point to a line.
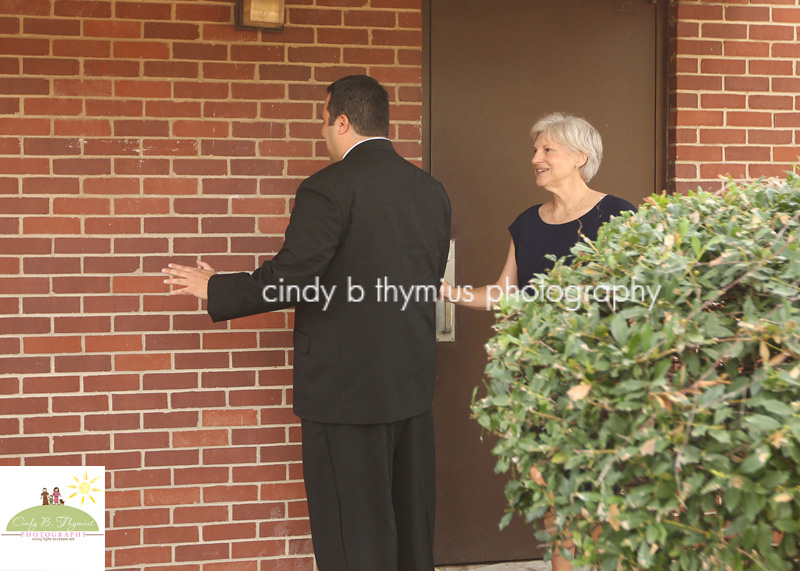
735 90
137 133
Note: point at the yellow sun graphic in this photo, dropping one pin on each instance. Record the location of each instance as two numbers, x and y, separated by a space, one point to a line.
85 488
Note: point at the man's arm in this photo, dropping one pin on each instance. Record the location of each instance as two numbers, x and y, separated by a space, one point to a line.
314 233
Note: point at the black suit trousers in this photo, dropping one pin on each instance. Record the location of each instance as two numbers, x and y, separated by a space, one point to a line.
371 494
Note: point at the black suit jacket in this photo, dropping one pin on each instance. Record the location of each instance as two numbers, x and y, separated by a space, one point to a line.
370 225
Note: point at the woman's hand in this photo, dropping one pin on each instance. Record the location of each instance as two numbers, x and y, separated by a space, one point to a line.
445 291
194 281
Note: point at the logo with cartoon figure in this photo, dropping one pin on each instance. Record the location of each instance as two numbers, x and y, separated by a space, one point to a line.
55 520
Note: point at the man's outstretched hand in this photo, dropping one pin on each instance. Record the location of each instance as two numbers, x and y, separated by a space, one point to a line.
193 281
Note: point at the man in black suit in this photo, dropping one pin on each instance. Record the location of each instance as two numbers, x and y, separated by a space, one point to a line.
364 252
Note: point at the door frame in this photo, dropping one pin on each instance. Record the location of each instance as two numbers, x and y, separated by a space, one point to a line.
664 165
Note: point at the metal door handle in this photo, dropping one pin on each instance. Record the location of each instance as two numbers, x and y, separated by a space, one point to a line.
445 311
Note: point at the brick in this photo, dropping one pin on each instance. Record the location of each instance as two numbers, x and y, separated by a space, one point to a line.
778 102
256 436
200 167
213 494
771 67
52 344
715 170
171 30
166 381
370 18
134 128
23 165
200 438
788 49
109 68
143 479
228 225
25 445
112 421
51 146
27 7
748 154
142 555
200 13
771 32
260 548
228 379
201 89
10 426
314 55
81 284
141 517
122 537
746 49
182 419
82 127
339 36
230 417
723 136
24 86
749 119
81 443
723 30
113 344
111 29
784 84
218 360
367 56
749 84
24 325
200 129
177 69
142 50
81 363
195 51
82 48
82 324
260 130
83 87
229 531
199 399
140 440
10 106
230 110
723 101
784 15
16 245
126 499
143 89
146 362
202 552
82 9
13 406
50 66
141 166
143 11
25 205
11 66
27 46
278 72
172 534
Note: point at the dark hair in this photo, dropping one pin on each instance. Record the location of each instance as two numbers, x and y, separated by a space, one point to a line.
365 103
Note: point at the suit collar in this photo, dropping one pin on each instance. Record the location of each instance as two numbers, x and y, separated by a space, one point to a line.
366 144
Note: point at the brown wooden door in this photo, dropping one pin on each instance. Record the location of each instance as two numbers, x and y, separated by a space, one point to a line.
494 67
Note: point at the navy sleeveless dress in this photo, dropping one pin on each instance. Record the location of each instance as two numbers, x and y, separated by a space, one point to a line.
534 238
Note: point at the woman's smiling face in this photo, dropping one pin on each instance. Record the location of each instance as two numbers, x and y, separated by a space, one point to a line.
552 163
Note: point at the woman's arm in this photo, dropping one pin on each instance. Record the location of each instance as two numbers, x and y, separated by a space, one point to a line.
484 297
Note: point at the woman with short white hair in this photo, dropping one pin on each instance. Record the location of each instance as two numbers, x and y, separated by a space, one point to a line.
567 152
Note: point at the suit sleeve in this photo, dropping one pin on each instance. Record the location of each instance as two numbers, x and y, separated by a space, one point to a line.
315 231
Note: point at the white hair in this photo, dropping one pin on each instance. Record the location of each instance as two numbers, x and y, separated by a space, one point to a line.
577 136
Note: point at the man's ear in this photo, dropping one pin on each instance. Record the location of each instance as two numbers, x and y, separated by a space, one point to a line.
342 124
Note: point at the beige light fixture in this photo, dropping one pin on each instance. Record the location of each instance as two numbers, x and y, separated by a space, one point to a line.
255 14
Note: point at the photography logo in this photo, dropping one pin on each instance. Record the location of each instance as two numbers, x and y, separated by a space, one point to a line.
54 520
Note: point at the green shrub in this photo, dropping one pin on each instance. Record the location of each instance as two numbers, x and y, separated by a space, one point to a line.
673 431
